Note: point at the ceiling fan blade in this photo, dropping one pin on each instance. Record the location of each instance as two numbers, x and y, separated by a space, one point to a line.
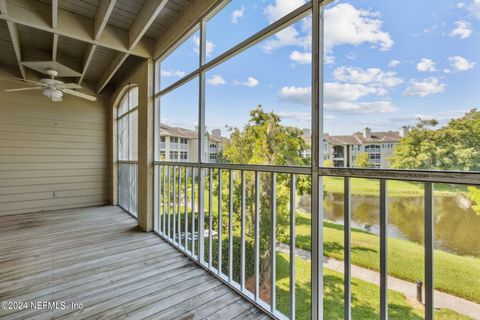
70 86
80 94
30 81
23 89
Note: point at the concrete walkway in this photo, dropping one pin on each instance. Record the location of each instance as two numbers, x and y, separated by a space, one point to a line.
442 300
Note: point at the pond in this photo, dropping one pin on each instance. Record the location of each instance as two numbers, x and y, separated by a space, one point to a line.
457 227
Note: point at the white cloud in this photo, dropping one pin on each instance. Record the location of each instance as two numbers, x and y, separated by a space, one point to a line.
394 63
237 14
251 82
172 73
209 46
328 59
351 56
281 8
473 8
362 107
340 97
299 116
460 63
373 76
301 95
216 80
425 87
426 65
301 57
345 24
287 37
341 92
463 30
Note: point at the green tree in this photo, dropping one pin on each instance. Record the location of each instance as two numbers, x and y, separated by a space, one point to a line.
328 163
264 140
362 161
474 196
455 146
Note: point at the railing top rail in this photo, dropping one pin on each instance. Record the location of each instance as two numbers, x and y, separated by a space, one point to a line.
452 177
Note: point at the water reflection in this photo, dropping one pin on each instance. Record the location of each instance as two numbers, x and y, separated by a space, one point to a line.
457 227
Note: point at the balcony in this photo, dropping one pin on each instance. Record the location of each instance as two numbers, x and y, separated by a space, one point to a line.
98 214
190 202
99 264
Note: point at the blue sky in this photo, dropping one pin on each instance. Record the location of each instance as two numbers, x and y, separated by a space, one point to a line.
386 64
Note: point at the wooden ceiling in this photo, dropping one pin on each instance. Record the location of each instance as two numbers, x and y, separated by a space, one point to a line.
97 38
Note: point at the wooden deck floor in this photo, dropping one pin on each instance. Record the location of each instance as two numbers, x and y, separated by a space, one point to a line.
98 258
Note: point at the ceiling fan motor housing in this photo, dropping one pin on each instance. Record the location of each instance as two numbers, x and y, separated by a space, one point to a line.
54 94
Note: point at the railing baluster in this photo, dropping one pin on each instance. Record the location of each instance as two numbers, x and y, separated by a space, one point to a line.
347 216
383 250
292 245
210 217
169 203
186 210
164 218
193 212
174 207
201 215
158 212
429 246
273 239
220 221
179 205
257 236
230 226
242 226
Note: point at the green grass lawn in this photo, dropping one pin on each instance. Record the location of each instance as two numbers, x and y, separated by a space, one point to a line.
371 187
458 275
365 296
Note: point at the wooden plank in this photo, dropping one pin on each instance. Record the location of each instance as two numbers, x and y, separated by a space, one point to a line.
93 256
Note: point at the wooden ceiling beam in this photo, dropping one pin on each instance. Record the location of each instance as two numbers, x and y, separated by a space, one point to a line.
110 72
54 14
86 61
35 14
101 19
150 10
12 29
55 47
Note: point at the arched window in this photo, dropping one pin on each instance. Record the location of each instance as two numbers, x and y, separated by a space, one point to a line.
127 150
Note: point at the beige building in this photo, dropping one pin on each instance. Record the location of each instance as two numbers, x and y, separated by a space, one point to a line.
343 150
180 144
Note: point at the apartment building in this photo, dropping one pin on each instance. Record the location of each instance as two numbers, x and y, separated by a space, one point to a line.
180 144
343 150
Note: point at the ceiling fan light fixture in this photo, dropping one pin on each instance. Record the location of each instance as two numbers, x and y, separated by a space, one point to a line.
53 94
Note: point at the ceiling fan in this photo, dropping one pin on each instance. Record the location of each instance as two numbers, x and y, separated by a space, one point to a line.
54 89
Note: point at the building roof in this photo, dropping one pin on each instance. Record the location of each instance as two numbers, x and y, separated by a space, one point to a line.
166 130
358 138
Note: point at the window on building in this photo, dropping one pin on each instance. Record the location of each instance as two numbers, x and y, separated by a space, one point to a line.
173 155
127 150
183 155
